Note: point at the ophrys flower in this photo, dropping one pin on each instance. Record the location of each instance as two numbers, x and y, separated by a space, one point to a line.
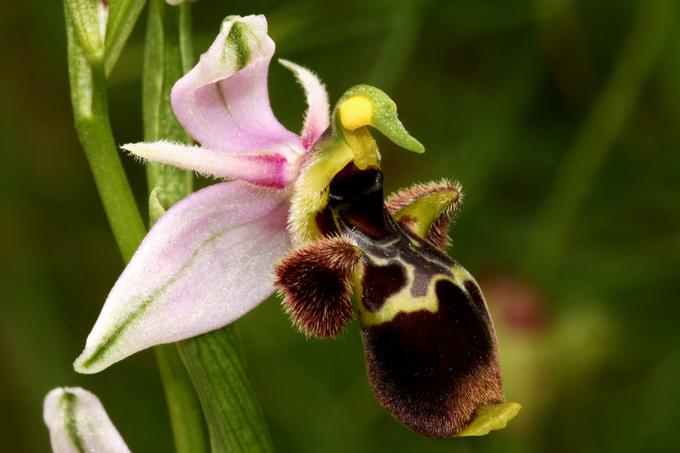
431 349
430 344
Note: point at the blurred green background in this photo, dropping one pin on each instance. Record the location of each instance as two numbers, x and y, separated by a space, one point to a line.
561 119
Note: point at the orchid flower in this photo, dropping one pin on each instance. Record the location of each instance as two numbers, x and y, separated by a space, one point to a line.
431 348
78 422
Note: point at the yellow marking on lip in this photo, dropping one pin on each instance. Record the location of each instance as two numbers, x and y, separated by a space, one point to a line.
403 301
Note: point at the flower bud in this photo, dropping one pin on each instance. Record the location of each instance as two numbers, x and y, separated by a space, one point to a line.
88 18
78 422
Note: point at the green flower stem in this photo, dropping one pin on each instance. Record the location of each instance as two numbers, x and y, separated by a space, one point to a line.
604 123
186 417
90 110
213 360
235 421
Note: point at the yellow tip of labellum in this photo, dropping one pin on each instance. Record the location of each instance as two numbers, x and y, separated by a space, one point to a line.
490 418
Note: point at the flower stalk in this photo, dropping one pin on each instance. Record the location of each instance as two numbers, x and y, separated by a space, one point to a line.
91 115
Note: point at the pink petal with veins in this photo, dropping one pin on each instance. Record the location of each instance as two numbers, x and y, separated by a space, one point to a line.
204 264
223 102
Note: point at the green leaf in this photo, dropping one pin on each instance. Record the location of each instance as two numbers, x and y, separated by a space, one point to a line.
235 421
123 15
185 411
165 60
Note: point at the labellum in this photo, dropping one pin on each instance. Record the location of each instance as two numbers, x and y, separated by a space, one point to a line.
430 346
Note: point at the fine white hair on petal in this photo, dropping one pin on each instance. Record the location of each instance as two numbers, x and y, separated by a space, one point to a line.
78 422
270 169
205 263
317 118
